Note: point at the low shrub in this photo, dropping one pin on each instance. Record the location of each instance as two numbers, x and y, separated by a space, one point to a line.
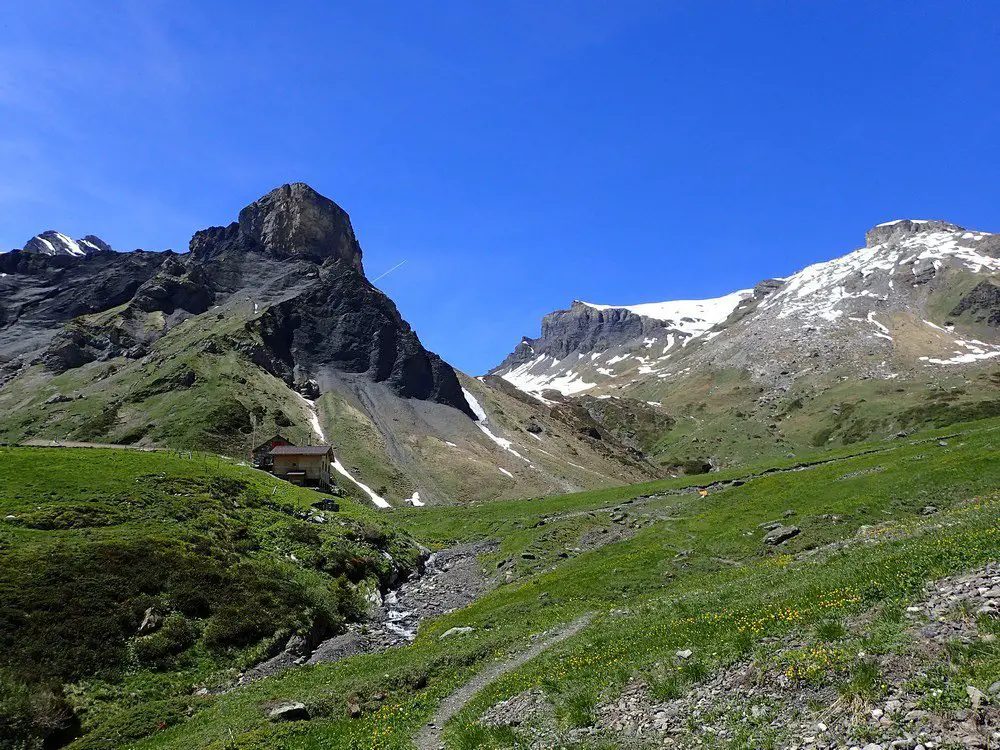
160 649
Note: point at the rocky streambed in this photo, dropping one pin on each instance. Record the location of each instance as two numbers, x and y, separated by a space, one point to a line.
451 578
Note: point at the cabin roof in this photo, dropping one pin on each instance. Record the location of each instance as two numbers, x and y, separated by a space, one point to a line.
300 450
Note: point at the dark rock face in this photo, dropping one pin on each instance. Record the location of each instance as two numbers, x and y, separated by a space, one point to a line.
900 230
291 221
767 287
983 302
581 328
176 286
345 323
39 294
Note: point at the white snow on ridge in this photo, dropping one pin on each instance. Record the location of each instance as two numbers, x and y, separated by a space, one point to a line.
900 221
480 413
693 316
523 378
71 247
817 290
690 318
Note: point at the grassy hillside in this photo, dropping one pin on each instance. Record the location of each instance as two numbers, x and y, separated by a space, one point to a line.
208 384
230 561
728 419
659 568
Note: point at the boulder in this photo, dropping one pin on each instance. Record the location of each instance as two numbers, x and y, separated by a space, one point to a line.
781 535
455 631
151 621
292 711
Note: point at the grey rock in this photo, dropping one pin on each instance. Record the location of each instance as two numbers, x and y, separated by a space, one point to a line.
151 621
781 535
455 631
293 711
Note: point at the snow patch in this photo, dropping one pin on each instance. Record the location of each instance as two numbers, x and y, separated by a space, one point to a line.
504 471
375 498
535 375
415 500
693 317
313 417
480 413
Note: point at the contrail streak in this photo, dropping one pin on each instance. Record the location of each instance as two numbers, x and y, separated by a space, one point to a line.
390 270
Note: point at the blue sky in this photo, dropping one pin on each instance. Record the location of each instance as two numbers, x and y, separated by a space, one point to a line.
516 154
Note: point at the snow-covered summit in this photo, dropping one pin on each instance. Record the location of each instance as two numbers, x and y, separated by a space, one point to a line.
907 252
689 316
57 243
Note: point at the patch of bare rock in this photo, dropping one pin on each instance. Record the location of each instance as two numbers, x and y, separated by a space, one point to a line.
451 579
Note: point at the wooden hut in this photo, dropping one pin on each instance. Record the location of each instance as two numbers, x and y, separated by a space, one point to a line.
304 464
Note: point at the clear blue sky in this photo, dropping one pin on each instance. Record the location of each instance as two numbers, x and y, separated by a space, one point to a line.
517 154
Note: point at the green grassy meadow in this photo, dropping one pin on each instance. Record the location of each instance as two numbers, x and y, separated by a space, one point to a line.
658 566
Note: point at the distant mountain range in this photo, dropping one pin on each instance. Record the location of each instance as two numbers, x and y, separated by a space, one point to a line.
899 332
270 325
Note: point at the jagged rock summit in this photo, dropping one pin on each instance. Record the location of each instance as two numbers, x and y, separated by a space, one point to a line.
901 229
292 221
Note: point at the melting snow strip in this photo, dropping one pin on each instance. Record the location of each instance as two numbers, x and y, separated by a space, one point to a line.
339 467
375 498
480 413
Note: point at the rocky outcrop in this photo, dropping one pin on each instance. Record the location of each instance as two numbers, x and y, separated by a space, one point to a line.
42 293
901 229
293 221
983 303
344 323
581 328
177 286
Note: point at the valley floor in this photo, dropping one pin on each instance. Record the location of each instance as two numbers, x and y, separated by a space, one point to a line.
847 601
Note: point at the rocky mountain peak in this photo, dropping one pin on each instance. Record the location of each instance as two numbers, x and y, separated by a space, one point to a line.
55 243
900 229
295 220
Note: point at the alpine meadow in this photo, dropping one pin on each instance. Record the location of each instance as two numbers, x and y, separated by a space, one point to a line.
245 506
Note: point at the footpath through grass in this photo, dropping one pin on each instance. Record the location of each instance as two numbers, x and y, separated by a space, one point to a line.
684 571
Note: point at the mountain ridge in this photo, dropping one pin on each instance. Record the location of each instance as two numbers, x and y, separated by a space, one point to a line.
269 324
